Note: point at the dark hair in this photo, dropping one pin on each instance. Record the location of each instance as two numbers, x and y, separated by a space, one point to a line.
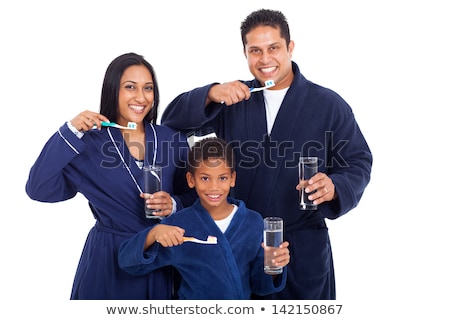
265 17
210 148
109 101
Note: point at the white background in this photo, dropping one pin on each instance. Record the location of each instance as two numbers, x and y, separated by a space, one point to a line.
388 59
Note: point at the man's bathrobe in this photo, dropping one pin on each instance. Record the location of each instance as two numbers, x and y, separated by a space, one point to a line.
231 269
312 120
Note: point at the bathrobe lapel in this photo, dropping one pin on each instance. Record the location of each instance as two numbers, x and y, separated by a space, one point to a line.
223 242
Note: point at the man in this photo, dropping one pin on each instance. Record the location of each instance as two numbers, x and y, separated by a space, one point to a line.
270 129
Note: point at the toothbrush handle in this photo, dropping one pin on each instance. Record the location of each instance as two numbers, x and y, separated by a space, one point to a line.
108 124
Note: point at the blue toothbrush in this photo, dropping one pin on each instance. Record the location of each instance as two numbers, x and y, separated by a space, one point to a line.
268 84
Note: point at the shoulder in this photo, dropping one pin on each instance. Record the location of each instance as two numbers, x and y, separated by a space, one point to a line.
314 90
178 216
159 128
168 133
250 214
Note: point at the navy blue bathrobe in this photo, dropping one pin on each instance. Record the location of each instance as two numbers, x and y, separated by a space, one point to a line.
91 166
232 269
313 121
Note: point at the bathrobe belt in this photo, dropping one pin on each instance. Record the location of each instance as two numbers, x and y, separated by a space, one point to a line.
104 228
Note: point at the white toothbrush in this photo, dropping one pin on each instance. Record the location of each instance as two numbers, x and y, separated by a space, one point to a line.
209 240
130 125
268 84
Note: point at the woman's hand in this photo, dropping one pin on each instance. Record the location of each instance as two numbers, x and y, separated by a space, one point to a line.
87 119
160 201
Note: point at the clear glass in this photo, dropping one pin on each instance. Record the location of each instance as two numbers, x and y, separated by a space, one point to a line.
152 184
273 237
307 168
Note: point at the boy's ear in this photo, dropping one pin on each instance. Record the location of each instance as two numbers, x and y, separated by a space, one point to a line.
190 180
233 179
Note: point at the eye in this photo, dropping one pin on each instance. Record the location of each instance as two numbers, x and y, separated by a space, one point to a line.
148 88
223 178
130 87
204 178
273 48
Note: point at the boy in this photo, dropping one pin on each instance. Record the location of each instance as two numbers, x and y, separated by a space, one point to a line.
230 269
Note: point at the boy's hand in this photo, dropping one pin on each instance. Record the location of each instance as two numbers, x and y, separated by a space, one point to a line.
165 235
282 256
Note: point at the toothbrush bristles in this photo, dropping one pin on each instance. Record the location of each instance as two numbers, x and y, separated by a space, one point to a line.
132 125
212 239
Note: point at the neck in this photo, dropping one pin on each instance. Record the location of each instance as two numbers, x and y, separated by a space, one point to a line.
135 141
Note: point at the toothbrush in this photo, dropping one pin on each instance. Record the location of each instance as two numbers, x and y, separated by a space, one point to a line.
268 84
209 240
130 125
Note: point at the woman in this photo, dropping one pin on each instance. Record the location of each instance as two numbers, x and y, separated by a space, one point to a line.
104 164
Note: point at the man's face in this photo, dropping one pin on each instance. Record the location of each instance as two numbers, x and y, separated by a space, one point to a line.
268 57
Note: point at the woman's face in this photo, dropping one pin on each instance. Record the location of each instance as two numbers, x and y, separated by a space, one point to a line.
136 95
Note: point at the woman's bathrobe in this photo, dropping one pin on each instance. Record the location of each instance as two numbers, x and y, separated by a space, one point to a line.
93 167
231 269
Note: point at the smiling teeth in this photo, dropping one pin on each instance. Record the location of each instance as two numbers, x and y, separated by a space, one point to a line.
268 69
137 107
214 196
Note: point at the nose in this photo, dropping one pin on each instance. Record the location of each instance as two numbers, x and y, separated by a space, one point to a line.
213 184
140 96
265 57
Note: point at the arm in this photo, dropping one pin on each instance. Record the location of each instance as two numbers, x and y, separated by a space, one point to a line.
349 166
264 284
193 109
166 235
142 253
51 179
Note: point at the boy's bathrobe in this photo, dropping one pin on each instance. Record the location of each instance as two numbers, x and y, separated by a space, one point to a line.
312 120
92 166
231 269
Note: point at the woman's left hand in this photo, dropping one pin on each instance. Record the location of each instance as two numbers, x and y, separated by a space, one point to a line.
160 201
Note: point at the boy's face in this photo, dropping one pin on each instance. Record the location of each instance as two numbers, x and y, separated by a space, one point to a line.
212 180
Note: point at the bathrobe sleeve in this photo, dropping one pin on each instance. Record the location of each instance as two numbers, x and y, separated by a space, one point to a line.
51 178
134 260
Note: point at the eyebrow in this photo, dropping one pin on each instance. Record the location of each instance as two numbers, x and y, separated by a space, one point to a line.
269 45
149 82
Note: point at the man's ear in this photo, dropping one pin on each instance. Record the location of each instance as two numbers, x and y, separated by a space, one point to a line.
291 46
